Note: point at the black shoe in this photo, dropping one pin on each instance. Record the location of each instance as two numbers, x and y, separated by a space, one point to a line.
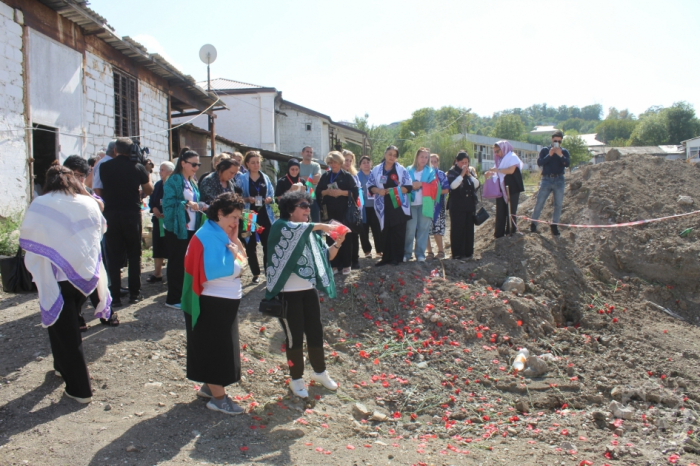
136 299
123 291
256 280
533 227
380 263
457 258
113 320
154 279
395 263
555 230
116 303
355 266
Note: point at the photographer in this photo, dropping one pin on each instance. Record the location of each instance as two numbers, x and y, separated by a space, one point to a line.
121 179
554 160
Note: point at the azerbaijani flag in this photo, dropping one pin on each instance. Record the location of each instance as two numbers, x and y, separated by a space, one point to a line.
207 258
310 189
395 196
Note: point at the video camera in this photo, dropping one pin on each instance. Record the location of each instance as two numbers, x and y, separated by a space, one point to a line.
137 153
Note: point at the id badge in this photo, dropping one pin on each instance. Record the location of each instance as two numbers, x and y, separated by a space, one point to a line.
258 201
382 180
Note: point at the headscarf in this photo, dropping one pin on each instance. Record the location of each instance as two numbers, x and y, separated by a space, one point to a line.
290 164
506 148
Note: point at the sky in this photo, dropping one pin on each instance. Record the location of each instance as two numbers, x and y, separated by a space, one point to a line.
388 58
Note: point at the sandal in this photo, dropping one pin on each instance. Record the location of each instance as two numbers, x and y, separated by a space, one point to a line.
429 255
81 324
154 279
112 322
441 255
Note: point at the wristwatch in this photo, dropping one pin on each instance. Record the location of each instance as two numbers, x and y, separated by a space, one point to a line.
336 246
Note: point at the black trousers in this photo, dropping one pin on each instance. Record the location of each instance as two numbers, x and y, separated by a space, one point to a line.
345 254
394 238
67 344
251 249
177 248
123 244
503 226
462 234
213 348
373 225
303 318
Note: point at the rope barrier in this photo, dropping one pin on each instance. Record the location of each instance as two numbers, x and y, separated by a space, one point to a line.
614 225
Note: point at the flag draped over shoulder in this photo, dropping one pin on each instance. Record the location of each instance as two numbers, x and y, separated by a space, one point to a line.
207 258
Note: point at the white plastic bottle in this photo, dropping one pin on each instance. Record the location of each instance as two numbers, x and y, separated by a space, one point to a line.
520 359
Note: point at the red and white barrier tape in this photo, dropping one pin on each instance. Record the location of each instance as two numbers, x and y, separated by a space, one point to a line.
614 225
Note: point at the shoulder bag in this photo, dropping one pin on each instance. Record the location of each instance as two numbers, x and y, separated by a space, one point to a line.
482 215
275 307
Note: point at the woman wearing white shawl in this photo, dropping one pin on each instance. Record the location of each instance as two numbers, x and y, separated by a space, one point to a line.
61 235
508 169
389 183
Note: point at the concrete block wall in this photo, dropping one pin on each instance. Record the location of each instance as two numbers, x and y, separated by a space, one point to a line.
99 104
153 116
293 134
13 148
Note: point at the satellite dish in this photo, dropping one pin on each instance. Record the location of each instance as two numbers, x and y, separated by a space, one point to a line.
207 54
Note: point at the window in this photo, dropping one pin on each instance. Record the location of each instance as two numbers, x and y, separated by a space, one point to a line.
126 105
308 126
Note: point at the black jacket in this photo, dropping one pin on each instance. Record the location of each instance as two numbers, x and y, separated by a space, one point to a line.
337 206
463 199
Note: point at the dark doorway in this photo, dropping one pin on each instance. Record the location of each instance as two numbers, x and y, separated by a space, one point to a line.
44 148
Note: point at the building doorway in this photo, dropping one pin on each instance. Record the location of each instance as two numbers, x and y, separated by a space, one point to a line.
44 152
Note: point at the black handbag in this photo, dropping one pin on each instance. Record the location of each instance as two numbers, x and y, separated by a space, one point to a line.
275 307
353 216
18 278
480 217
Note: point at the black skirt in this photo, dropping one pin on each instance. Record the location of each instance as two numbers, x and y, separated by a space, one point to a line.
160 248
213 349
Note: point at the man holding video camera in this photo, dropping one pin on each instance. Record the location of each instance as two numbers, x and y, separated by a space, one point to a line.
554 160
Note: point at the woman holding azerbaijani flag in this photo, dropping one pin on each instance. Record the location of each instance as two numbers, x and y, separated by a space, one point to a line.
423 197
211 295
390 182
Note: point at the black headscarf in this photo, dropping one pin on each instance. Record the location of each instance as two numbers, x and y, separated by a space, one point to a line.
285 183
290 164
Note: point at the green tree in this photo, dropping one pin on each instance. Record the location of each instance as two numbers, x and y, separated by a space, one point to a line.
615 114
615 129
592 112
379 137
578 151
652 130
509 127
681 122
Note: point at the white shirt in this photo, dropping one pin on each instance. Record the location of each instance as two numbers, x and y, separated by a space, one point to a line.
188 192
96 180
296 283
419 192
225 287
457 181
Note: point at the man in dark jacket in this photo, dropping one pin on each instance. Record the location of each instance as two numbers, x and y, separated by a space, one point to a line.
554 160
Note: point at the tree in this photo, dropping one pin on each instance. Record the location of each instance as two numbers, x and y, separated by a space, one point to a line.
592 112
578 151
508 127
615 129
379 137
652 130
615 114
681 122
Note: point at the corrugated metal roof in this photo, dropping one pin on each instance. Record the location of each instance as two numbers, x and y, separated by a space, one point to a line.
489 141
223 84
590 140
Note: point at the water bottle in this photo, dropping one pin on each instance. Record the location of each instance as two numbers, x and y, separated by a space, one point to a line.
520 359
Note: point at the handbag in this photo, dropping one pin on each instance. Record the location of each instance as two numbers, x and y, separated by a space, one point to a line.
492 188
275 307
18 279
480 217
353 216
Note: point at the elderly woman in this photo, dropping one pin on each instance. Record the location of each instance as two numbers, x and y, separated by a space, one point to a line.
61 235
160 249
214 164
369 216
334 187
182 217
462 206
297 268
210 298
508 168
423 198
257 193
439 217
389 182
354 235
290 181
219 182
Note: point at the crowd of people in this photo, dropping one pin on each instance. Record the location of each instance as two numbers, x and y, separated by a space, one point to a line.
87 227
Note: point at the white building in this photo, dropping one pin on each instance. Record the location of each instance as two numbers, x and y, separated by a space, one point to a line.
692 149
69 85
482 150
260 117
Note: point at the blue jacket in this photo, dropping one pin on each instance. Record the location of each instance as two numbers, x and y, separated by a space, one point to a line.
243 182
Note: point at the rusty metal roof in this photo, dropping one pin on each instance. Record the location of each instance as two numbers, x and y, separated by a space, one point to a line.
92 23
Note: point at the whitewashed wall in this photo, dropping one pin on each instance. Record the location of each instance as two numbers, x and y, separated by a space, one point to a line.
153 121
293 135
99 104
13 149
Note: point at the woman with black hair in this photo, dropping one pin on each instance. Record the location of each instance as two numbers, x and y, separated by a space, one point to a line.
182 217
290 181
220 181
211 295
298 266
462 206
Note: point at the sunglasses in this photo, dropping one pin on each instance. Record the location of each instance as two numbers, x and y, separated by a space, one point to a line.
195 165
303 205
556 140
80 176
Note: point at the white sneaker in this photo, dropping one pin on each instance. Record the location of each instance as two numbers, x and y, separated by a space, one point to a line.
299 388
421 259
324 379
78 399
347 270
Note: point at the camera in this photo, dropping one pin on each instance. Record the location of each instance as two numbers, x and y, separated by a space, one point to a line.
555 144
138 154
